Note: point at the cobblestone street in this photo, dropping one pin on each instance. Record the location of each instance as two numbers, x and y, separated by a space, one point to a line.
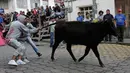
115 57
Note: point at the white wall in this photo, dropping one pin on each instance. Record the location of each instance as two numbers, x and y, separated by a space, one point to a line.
13 6
43 3
51 3
106 4
102 5
76 4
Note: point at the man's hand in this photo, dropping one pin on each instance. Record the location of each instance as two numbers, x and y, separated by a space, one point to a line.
39 28
126 26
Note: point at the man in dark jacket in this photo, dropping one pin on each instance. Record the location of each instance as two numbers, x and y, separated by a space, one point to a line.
109 17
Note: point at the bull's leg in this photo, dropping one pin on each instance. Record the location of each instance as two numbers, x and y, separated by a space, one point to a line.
85 54
70 52
95 50
54 49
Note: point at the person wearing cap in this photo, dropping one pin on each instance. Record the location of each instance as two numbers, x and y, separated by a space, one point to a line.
108 17
120 20
15 38
87 18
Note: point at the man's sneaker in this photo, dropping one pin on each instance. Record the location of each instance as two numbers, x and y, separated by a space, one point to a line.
19 62
12 62
39 54
26 61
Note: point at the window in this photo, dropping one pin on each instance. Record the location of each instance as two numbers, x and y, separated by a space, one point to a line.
4 4
22 4
86 10
35 3
81 9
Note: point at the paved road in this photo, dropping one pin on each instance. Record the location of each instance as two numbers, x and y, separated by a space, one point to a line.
115 57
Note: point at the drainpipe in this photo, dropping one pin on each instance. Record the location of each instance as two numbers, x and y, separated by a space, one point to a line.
94 8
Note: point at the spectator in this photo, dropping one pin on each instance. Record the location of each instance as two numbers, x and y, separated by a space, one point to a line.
109 17
120 23
40 14
14 16
62 5
57 8
62 13
48 13
43 16
100 17
28 13
87 18
34 11
80 17
23 13
53 8
52 32
50 9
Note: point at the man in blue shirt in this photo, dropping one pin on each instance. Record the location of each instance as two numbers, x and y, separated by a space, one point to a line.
80 17
120 24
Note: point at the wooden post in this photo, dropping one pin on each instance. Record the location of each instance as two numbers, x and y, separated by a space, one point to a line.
40 31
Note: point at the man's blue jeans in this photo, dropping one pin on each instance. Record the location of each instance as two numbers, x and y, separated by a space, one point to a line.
51 39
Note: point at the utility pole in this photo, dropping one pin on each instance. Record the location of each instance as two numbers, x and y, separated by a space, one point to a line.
94 8
69 8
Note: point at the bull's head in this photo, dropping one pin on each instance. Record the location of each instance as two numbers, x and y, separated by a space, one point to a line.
111 29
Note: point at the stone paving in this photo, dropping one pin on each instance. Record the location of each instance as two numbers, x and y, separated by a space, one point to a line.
115 57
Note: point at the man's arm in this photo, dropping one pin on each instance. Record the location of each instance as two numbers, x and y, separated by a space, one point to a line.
29 25
126 25
26 30
114 20
104 17
82 18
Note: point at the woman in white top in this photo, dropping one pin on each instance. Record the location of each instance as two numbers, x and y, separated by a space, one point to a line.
87 18
100 17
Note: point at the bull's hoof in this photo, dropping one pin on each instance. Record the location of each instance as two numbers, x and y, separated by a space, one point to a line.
102 65
52 59
80 59
75 60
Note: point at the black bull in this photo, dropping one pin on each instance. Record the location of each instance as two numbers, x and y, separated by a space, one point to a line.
81 33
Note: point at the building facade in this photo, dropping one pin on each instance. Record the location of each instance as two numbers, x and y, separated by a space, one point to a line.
86 6
125 6
18 5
